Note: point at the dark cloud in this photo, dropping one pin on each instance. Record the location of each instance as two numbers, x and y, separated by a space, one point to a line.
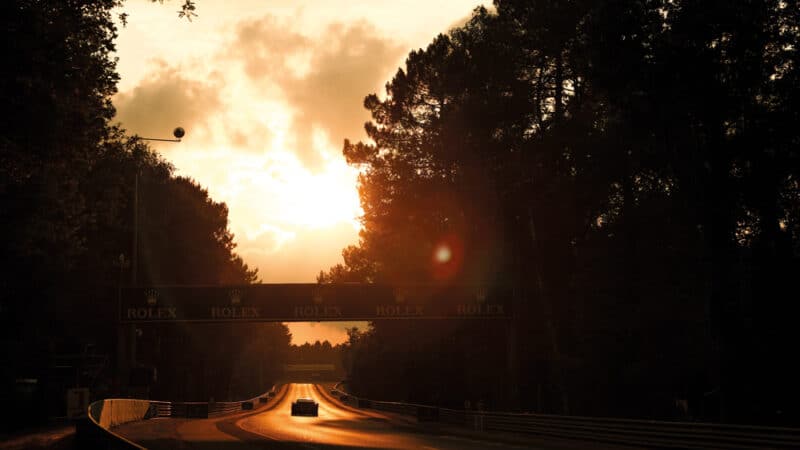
164 100
344 64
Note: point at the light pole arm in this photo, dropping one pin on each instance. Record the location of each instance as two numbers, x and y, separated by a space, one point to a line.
155 139
178 132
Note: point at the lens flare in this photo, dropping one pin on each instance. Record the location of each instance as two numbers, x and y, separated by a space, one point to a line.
447 258
443 254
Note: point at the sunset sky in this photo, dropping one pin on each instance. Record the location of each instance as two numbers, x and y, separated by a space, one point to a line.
267 92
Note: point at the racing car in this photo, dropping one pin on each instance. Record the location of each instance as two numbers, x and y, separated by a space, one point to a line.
305 407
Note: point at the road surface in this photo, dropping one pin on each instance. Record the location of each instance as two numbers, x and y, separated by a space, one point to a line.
338 426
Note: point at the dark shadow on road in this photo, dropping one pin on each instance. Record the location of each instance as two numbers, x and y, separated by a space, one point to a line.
255 442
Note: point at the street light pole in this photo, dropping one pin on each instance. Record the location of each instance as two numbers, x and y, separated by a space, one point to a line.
128 333
135 249
178 132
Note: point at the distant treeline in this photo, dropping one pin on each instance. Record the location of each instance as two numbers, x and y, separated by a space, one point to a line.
631 168
74 188
319 353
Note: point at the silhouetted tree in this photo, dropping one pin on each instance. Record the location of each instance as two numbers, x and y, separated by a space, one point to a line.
67 182
629 167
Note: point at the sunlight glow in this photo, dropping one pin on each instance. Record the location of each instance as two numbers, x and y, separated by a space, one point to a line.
319 200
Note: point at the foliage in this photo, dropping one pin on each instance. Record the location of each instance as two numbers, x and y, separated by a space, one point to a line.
316 353
630 168
75 190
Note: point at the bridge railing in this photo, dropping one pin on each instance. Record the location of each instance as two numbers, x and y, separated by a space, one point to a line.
647 433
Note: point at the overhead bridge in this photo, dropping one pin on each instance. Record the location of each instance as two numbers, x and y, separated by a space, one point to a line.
311 302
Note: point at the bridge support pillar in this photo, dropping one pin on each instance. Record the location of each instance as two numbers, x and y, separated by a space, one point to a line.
512 366
126 356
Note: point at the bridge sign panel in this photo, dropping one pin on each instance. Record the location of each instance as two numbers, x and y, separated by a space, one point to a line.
310 302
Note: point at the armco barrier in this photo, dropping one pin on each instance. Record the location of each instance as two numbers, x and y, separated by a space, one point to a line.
427 414
95 431
191 410
161 409
219 409
647 433
112 412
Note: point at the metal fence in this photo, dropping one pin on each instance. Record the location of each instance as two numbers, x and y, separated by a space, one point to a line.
161 409
206 409
647 433
92 435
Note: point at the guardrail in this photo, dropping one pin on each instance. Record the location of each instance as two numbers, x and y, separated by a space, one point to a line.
202 410
648 433
94 432
103 415
161 409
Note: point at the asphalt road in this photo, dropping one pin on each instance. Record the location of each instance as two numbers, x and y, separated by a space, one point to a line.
338 426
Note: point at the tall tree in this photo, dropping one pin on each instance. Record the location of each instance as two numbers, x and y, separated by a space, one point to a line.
630 167
67 190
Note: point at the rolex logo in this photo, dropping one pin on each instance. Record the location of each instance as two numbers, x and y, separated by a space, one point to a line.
317 296
400 295
235 295
480 295
152 296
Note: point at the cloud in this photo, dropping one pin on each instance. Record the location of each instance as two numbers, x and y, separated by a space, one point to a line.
267 242
298 258
268 83
266 46
164 100
323 79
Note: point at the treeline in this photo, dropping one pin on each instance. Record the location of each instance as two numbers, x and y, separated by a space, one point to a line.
212 361
316 353
74 189
631 169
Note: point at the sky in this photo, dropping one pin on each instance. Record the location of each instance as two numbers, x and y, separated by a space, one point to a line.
267 91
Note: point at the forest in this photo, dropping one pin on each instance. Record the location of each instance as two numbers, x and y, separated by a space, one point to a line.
80 199
631 169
